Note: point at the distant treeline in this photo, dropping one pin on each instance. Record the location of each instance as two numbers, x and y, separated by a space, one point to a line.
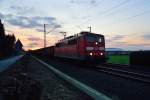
7 43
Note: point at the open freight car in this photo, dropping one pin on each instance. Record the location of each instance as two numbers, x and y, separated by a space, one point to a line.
47 52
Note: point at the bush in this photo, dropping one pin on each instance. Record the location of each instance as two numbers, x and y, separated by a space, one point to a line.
140 58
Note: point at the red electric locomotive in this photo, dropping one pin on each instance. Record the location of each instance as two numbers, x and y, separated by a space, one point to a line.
84 46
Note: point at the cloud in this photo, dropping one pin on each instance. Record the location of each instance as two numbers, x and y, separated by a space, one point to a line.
140 44
40 30
53 28
108 39
118 37
15 7
30 22
22 10
1 16
1 1
121 43
146 36
116 40
31 38
72 1
32 45
91 2
33 42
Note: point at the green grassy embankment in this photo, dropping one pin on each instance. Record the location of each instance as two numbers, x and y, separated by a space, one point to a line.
118 59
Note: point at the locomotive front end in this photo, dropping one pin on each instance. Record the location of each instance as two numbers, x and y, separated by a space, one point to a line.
95 47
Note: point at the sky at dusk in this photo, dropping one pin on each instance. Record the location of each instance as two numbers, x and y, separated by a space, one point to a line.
125 23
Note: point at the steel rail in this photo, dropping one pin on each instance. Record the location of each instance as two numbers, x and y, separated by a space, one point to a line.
127 74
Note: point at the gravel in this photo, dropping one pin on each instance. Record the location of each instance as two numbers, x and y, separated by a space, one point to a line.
49 86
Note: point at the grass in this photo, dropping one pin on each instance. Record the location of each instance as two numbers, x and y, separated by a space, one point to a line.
119 59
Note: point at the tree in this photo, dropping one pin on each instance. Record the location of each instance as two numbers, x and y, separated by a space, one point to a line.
7 43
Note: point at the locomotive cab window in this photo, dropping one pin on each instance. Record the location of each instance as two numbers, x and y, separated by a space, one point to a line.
92 38
100 40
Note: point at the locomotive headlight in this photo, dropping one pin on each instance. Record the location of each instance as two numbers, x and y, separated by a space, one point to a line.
101 54
96 43
91 54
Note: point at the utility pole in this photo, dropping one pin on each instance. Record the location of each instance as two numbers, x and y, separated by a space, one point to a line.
45 32
44 35
90 28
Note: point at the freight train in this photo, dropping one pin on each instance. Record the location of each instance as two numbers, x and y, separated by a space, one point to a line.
85 46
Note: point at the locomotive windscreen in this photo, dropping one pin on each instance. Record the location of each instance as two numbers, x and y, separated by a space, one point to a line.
94 38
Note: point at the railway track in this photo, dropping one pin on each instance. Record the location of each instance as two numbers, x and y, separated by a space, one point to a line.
124 88
116 65
124 73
